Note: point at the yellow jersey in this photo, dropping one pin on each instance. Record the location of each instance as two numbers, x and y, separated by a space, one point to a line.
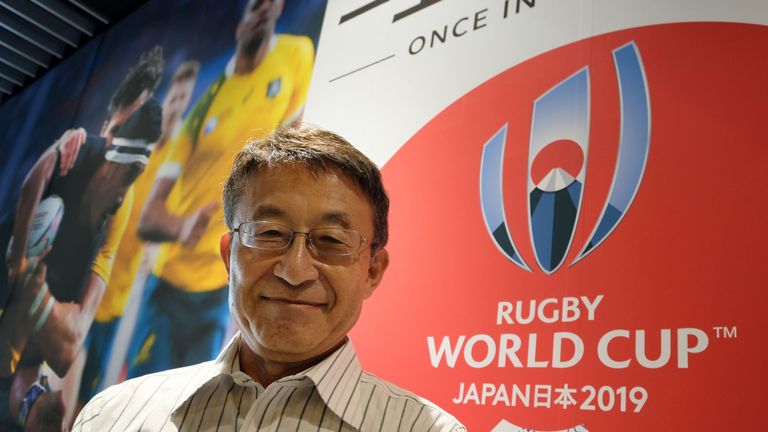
103 263
235 109
129 253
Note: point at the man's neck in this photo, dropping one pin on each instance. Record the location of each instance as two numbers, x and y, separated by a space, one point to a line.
246 63
265 371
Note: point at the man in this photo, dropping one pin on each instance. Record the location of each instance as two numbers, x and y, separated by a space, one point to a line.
307 218
70 280
183 317
129 254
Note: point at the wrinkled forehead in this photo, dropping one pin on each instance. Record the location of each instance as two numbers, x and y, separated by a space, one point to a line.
267 175
315 169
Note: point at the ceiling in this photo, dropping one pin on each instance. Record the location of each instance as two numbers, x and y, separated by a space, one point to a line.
35 35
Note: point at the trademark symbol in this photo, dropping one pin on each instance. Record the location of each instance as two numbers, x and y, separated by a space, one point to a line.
723 332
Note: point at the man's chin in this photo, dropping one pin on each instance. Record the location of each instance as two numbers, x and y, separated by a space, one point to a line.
287 348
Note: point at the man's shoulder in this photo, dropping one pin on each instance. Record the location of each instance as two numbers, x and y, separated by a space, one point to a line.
155 395
149 382
295 46
423 411
292 40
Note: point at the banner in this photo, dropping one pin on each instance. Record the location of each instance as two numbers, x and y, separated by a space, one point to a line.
576 206
111 176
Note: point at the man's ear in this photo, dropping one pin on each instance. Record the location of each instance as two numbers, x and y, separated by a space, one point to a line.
379 264
225 248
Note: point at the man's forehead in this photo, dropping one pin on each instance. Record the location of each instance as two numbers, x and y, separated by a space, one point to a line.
181 84
266 211
330 203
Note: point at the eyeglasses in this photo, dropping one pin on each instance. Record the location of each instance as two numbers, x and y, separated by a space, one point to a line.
270 236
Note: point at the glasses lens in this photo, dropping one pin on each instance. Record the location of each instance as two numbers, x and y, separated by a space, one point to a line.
335 241
265 235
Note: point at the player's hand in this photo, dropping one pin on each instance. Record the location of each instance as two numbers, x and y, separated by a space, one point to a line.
31 275
20 270
68 146
15 260
194 226
32 282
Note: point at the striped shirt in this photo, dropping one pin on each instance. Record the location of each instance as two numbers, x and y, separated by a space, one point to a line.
333 395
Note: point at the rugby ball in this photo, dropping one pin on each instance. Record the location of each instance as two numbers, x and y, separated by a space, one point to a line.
45 225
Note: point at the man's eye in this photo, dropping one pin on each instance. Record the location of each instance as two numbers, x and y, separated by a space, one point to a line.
269 234
332 243
329 240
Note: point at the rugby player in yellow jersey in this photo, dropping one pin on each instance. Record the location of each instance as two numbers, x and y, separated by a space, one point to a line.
184 311
129 254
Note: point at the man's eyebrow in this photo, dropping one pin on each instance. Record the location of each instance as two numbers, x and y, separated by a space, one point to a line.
339 218
266 211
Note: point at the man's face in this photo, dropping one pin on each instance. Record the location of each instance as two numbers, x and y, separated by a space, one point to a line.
257 23
292 305
113 123
175 102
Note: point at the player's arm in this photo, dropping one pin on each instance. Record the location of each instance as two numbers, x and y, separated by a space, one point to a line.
63 334
157 224
16 323
68 147
32 189
65 150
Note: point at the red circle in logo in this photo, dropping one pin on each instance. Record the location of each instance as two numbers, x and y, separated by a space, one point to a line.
562 154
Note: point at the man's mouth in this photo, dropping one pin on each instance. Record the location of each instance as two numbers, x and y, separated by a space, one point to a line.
292 301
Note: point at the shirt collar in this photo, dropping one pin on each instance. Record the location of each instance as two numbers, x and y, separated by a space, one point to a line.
225 364
336 378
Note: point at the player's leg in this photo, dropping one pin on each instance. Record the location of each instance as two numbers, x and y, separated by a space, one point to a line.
149 350
207 326
99 344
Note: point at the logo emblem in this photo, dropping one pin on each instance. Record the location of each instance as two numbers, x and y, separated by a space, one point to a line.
273 88
210 126
557 165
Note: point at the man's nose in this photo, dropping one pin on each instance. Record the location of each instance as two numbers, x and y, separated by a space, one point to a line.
297 265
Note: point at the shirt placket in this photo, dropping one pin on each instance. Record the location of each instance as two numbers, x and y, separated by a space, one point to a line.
253 392
265 412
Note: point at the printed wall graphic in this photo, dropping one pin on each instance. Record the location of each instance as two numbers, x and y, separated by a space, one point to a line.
559 126
575 203
110 212
557 165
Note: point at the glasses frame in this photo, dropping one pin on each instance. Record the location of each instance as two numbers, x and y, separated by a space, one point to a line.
307 236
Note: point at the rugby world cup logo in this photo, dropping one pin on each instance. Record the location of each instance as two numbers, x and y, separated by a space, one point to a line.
557 163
